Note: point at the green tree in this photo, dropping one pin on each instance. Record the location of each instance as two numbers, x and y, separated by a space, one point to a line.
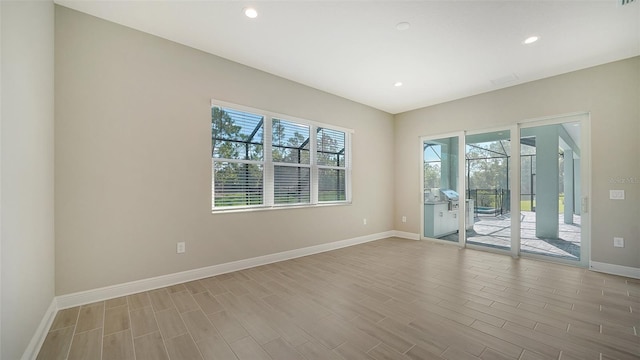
293 149
223 127
432 175
330 147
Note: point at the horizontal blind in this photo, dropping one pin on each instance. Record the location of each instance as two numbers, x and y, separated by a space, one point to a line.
331 185
237 184
292 184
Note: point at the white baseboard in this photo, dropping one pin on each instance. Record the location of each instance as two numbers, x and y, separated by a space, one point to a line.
32 350
406 235
109 292
627 271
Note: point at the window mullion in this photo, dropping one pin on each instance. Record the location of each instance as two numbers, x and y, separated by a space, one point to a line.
268 163
314 163
347 164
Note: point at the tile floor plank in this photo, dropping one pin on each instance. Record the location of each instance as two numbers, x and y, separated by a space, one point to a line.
116 319
150 347
183 347
118 346
490 354
279 349
228 326
184 301
115 302
199 325
195 287
161 300
207 302
86 345
215 348
90 317
248 349
138 301
419 353
56 345
65 318
170 323
384 352
143 321
313 350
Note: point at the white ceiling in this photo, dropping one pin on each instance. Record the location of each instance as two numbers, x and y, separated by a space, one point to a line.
352 49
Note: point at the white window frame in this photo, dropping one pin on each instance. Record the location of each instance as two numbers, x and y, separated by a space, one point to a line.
269 164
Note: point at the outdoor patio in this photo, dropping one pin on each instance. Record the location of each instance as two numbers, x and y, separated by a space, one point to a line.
495 231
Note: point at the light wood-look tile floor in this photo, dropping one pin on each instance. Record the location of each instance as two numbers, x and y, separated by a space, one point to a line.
388 299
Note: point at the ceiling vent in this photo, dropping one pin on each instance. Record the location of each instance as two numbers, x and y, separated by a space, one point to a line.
625 2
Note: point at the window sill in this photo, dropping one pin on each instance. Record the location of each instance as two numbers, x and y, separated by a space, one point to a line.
280 207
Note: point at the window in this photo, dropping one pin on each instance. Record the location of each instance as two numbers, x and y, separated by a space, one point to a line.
331 165
266 160
238 157
291 162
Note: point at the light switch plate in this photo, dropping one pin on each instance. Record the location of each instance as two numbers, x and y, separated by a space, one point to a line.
618 242
616 194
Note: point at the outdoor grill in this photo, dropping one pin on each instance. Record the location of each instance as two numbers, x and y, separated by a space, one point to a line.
452 198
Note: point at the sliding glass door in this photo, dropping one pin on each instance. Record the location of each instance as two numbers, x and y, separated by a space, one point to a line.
551 191
525 195
441 205
487 179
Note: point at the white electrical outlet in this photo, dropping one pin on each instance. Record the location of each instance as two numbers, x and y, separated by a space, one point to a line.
364 221
618 242
404 219
180 247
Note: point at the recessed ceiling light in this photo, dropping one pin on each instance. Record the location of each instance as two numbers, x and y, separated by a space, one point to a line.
250 12
397 84
531 40
403 25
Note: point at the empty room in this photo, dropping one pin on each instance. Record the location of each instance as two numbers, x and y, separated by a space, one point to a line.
320 180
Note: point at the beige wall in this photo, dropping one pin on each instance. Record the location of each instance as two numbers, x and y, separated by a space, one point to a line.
611 93
27 218
133 167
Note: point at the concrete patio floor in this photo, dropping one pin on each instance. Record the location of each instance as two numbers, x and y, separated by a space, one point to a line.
495 231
